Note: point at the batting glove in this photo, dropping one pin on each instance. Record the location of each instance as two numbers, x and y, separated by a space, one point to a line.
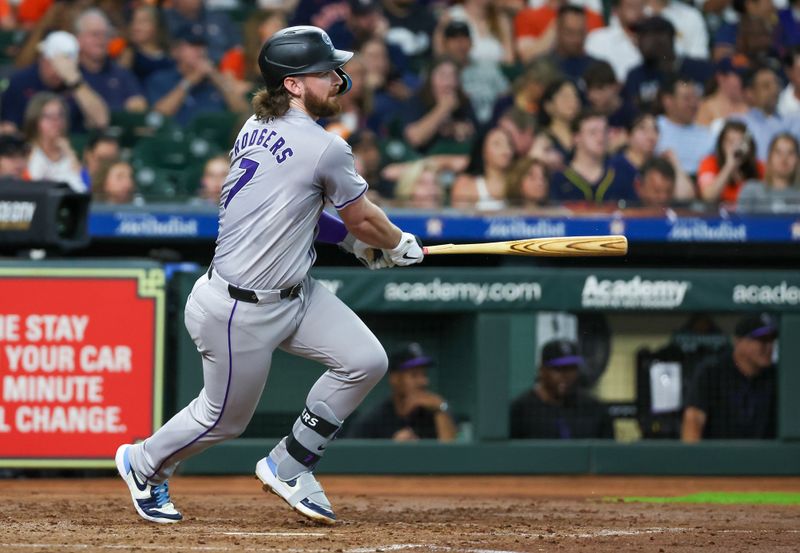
371 258
407 252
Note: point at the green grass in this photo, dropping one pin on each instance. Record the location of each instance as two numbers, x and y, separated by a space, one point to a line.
723 498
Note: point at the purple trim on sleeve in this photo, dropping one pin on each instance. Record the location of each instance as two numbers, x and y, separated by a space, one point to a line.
331 229
348 202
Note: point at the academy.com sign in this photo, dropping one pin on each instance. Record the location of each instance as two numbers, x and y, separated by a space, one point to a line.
756 294
476 293
634 293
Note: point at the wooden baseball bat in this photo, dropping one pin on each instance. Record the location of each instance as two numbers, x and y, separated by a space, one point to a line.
567 246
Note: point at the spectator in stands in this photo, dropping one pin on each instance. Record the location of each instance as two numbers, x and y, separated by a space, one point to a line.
568 53
762 89
411 28
779 191
419 186
45 128
118 87
220 33
413 411
679 135
789 24
535 28
590 177
757 12
722 174
215 171
528 183
726 97
114 183
356 105
734 397
518 112
440 118
13 156
483 185
655 187
789 99
556 408
194 85
616 44
100 148
368 162
490 28
320 13
364 21
603 96
483 82
642 136
8 20
544 150
147 44
258 28
691 34
56 71
391 89
560 105
755 41
659 62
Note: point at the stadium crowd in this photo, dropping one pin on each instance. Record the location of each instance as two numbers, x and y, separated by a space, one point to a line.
472 104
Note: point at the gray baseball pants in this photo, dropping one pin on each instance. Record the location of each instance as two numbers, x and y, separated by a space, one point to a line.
236 340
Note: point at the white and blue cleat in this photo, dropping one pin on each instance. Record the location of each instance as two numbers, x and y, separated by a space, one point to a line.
151 502
303 494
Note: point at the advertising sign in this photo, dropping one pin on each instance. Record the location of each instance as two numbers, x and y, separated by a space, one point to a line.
80 363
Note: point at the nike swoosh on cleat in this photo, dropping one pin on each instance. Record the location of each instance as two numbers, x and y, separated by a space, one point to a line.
321 448
142 487
405 256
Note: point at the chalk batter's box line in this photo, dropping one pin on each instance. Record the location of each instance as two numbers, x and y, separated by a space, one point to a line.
150 285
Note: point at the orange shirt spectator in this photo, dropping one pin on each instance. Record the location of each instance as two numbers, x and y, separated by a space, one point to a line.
31 11
535 21
709 168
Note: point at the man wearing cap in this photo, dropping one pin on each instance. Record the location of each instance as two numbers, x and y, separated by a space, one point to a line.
412 412
656 42
194 85
56 71
556 408
734 397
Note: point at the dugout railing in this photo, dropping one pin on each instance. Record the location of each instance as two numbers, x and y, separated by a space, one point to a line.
481 326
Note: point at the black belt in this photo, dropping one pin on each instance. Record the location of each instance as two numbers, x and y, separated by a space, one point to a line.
250 296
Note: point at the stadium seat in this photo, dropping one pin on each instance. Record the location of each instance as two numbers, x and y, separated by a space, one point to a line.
159 184
161 152
129 127
218 128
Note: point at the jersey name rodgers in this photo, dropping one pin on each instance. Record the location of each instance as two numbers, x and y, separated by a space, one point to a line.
282 171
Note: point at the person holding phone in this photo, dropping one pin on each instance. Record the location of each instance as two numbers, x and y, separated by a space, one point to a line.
722 174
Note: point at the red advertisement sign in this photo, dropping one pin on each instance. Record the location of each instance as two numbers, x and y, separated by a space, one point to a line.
80 364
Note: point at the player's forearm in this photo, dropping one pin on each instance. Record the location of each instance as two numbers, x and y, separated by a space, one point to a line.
694 421
369 223
445 427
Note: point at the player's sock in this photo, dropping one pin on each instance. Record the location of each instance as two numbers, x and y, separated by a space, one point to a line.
301 450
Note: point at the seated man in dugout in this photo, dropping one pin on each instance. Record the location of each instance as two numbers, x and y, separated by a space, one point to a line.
556 407
413 411
734 396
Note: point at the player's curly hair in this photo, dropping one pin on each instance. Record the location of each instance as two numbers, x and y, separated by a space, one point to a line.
271 103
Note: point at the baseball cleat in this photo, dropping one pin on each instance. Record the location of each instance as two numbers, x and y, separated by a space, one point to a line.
303 494
151 502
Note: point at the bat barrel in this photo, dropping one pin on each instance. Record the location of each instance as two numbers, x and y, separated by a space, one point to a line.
566 246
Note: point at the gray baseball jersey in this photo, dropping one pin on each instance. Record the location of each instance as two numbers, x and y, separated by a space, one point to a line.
293 164
281 171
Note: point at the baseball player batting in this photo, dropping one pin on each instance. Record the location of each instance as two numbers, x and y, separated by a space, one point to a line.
258 296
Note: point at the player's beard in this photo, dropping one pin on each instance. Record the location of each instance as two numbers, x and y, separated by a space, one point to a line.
322 107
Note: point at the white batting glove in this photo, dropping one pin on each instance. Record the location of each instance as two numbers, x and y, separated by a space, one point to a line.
371 258
407 252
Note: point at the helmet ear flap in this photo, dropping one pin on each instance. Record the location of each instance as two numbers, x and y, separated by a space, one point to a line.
347 82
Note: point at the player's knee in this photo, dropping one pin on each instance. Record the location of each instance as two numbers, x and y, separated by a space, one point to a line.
373 363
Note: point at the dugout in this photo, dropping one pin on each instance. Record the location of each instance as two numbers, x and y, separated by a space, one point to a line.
483 327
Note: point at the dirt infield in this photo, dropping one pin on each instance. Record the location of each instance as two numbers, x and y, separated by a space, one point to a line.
443 514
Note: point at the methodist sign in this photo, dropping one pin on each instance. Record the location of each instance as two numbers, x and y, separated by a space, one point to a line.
80 362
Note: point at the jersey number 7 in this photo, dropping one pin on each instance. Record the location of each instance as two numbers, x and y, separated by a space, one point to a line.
249 167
